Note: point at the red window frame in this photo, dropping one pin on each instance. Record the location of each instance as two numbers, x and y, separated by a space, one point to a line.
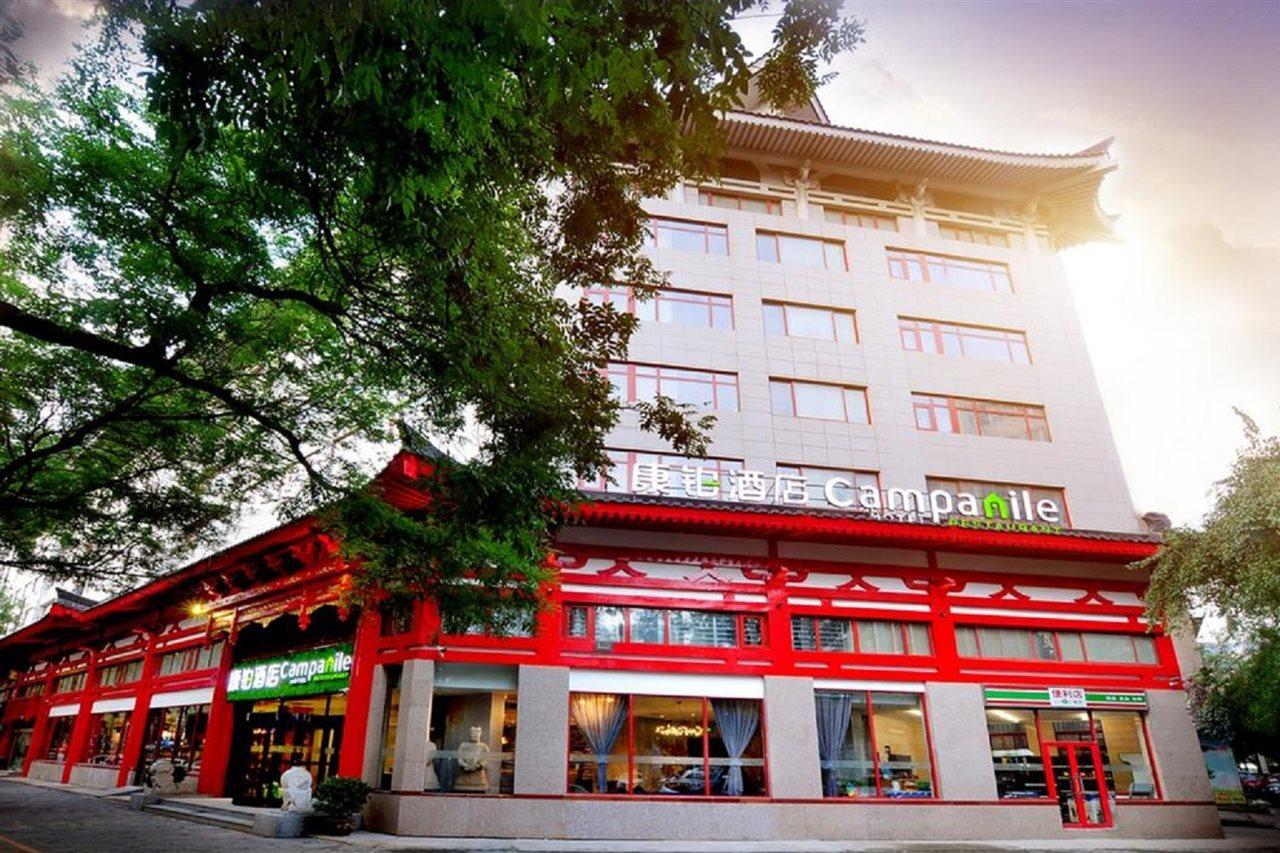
715 379
903 262
1057 645
875 745
76 682
773 206
835 330
921 331
122 667
973 234
825 241
861 219
900 624
934 405
603 295
795 411
740 620
656 224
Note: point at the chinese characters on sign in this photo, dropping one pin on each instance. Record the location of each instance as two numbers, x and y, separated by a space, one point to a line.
1067 697
325 670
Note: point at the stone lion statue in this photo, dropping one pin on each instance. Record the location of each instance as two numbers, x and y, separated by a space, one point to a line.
161 777
295 790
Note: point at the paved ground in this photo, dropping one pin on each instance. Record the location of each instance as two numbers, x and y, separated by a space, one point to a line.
43 820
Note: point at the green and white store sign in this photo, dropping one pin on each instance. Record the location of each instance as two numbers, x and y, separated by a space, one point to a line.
323 670
1064 697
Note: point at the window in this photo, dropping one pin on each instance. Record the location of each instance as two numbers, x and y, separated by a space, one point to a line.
70 683
862 636
712 629
706 237
191 658
960 341
120 673
1122 739
669 305
177 734
106 744
738 201
693 478
667 745
31 688
982 488
861 219
811 252
873 744
816 482
702 388
965 416
59 738
1069 646
805 321
482 707
954 272
972 234
1016 754
815 400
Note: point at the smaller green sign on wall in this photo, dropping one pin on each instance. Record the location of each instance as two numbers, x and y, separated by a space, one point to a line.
1064 697
324 670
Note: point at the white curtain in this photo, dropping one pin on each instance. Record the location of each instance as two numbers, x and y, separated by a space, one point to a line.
835 710
600 717
737 721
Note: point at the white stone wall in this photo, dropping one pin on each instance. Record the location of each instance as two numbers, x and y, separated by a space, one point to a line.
1081 457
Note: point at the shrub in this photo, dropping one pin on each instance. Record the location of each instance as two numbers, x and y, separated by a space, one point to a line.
341 796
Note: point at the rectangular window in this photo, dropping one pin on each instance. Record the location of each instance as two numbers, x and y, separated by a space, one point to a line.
669 305
663 626
455 712
739 201
1068 646
965 273
669 745
120 673
805 321
1056 497
685 476
1015 752
705 389
796 251
961 341
106 744
31 688
861 219
861 636
58 739
191 658
816 483
817 400
706 237
70 683
974 234
1126 762
177 734
967 416
873 744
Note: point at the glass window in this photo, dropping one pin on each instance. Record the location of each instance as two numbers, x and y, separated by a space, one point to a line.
803 321
981 488
106 744
737 201
703 389
966 273
474 730
972 234
70 683
861 219
647 626
814 400
966 416
610 625
1112 648
866 636
669 305
120 673
575 621
873 744
706 237
881 638
191 658
961 341
1015 752
793 250
177 734
1069 646
1126 763
390 727
668 745
59 738
653 626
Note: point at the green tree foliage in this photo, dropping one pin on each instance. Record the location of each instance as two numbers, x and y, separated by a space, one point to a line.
1236 696
322 217
1232 564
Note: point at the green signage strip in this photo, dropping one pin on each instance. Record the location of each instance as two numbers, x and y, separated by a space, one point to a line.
325 670
1064 697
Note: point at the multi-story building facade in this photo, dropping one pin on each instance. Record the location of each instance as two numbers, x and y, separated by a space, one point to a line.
893 602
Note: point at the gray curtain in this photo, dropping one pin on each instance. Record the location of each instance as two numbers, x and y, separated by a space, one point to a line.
737 721
600 717
835 710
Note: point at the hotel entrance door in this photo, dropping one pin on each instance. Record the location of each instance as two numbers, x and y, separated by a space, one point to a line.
1078 784
272 735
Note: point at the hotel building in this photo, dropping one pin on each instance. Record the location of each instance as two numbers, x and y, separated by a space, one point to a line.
894 602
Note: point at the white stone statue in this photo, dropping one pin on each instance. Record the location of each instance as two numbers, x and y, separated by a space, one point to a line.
160 777
295 790
473 761
432 781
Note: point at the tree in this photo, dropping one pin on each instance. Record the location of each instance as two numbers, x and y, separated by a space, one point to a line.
1236 696
1232 564
325 216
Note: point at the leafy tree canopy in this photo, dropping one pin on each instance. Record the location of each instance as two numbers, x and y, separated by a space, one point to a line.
320 217
1236 696
1231 565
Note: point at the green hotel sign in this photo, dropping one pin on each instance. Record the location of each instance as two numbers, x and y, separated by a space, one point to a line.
1064 697
324 670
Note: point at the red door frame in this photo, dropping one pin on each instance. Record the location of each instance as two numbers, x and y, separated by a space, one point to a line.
1069 748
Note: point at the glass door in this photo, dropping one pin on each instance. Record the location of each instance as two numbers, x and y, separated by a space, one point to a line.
1076 781
273 735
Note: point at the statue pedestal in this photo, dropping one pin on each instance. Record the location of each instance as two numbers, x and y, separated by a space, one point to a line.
278 824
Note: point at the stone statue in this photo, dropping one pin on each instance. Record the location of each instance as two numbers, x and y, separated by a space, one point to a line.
295 790
161 777
473 761
432 781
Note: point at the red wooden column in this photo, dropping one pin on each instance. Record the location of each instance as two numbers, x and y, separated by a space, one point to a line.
137 731
217 734
355 728
83 726
942 627
39 729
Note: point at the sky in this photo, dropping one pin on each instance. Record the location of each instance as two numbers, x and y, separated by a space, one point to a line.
1182 312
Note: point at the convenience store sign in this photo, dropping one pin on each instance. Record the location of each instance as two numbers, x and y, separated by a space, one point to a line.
324 670
1064 697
